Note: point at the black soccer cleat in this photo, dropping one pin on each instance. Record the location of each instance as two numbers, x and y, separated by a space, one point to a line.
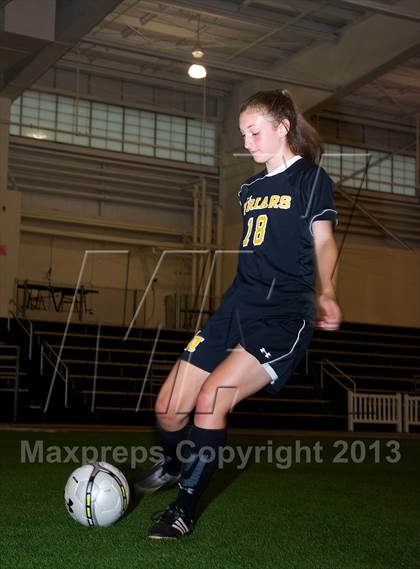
160 476
172 523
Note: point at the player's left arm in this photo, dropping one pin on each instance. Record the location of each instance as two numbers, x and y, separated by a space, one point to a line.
329 313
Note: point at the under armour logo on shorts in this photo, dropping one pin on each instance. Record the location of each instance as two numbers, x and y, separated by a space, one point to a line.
264 351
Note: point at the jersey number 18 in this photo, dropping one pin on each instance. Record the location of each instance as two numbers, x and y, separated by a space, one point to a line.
259 233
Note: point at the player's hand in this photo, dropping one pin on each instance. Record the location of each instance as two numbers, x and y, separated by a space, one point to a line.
329 314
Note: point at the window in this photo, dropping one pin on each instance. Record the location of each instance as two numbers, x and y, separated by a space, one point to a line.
38 115
170 137
71 120
331 160
139 132
15 118
200 142
376 170
404 175
106 127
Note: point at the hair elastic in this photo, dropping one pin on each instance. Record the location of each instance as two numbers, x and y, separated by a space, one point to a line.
279 91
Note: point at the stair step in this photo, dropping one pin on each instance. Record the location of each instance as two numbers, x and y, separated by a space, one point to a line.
380 359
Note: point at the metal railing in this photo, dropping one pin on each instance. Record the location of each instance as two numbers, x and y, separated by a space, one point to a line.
49 355
364 211
372 218
23 322
326 362
14 373
372 408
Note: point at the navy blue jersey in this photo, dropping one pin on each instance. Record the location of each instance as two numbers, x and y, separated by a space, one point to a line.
276 273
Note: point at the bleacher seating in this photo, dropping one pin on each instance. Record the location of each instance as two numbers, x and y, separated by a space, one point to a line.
115 381
378 358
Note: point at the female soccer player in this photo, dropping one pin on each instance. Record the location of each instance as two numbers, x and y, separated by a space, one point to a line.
266 318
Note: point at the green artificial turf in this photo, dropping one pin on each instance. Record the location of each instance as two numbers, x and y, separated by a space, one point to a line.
319 515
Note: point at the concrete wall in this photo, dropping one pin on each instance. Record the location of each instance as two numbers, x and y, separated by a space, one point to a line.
379 285
104 270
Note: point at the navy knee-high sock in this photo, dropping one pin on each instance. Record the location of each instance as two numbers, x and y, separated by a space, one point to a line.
199 464
170 441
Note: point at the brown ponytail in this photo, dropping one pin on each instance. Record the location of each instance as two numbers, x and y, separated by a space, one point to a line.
302 138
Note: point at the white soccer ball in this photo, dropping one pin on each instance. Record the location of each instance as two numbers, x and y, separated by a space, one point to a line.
96 494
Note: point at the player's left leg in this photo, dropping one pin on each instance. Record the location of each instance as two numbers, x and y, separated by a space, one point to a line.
237 377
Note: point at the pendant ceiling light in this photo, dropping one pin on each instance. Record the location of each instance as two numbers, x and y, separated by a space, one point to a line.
197 70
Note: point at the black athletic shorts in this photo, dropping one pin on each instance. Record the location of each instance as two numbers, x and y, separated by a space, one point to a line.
278 343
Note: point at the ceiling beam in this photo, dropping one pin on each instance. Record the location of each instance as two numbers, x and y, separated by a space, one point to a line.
253 16
237 69
366 50
271 33
73 20
98 68
213 41
356 116
368 77
385 10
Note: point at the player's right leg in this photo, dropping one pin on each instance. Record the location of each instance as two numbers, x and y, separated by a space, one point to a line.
178 396
176 400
